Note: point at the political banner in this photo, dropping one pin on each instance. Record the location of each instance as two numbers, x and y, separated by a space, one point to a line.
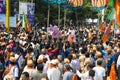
22 8
3 21
28 9
2 6
56 33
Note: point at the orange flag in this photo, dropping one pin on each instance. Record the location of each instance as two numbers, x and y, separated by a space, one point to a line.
112 72
102 27
28 26
107 1
106 34
117 9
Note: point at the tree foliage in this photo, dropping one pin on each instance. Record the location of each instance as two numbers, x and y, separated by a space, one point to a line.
41 11
85 12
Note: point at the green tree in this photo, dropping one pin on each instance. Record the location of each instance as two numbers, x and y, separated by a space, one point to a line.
41 12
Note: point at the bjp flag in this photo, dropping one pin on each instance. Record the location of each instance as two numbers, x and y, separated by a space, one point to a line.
112 72
106 34
117 9
28 26
102 27
107 1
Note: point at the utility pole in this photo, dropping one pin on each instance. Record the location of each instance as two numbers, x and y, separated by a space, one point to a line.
7 15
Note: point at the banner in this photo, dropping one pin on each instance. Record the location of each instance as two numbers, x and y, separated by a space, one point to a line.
22 8
54 30
2 6
3 19
28 9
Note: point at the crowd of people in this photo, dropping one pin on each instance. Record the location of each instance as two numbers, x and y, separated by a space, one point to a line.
77 54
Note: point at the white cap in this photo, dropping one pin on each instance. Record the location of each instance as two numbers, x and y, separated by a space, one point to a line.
53 62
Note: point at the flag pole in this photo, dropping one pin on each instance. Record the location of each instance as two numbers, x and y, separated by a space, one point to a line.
7 15
48 19
48 15
58 15
98 24
103 11
65 11
76 18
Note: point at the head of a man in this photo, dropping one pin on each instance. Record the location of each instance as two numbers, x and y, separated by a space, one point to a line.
24 76
40 67
99 62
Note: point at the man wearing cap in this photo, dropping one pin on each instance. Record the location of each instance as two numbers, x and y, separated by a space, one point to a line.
53 73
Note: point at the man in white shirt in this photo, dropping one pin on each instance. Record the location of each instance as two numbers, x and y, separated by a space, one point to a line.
14 71
44 55
99 71
118 67
53 73
85 75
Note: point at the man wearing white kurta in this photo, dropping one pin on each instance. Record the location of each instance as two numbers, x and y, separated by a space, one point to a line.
53 73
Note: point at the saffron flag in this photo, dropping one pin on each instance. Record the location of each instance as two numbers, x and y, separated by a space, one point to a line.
102 27
107 1
112 72
106 34
117 9
28 26
24 20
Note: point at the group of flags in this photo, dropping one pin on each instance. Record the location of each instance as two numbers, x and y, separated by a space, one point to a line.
115 11
25 23
113 17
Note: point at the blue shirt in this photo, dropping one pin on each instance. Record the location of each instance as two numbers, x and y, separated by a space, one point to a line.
110 60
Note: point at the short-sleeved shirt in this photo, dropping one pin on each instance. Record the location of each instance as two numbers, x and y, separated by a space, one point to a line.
67 76
99 73
37 75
